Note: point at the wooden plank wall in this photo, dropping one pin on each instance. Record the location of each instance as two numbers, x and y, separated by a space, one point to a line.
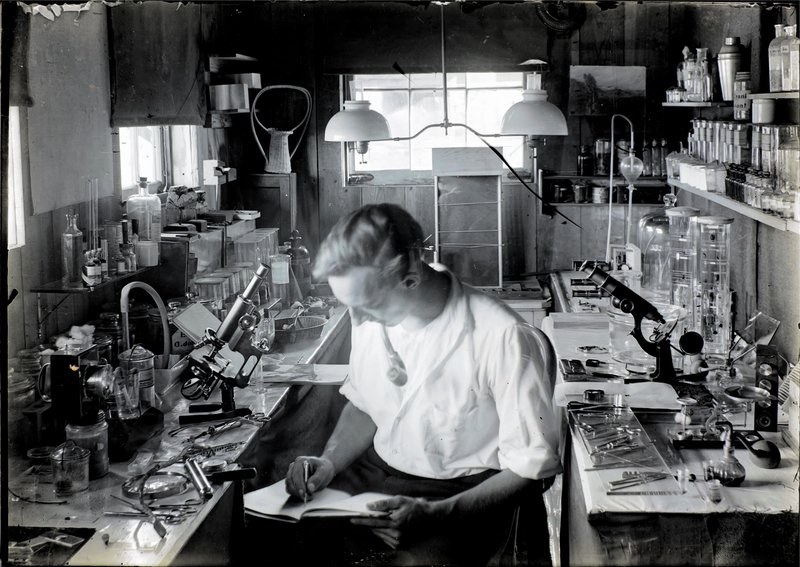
290 39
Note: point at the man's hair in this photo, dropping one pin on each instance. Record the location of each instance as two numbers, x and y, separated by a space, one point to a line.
383 236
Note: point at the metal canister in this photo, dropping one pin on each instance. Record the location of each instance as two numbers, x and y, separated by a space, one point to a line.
109 325
600 193
180 343
142 361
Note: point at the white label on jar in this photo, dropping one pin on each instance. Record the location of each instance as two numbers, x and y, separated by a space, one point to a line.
280 272
181 343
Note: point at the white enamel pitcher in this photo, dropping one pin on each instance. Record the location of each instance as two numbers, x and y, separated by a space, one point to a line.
278 160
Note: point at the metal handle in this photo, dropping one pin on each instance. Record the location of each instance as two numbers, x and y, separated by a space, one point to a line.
198 478
40 383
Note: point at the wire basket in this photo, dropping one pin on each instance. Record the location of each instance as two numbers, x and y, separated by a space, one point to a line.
306 328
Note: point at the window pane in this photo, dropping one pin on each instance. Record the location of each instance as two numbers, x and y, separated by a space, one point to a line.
485 109
127 156
388 155
148 145
427 107
184 155
412 102
393 81
16 209
476 80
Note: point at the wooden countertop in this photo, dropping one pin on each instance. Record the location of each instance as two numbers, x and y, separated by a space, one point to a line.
133 541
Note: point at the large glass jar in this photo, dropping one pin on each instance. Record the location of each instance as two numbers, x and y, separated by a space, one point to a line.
92 434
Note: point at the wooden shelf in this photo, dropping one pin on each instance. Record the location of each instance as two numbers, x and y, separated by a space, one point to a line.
58 287
708 104
786 94
741 208
618 180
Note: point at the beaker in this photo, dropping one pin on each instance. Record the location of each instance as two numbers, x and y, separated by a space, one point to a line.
602 156
712 286
126 394
280 277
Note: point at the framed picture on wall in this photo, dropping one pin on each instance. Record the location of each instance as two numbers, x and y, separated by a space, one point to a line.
602 90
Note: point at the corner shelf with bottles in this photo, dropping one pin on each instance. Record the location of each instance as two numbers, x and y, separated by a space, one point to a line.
750 168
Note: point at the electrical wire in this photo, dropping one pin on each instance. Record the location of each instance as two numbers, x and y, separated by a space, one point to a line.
33 500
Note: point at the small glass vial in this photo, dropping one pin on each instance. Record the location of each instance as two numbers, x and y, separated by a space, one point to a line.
91 433
714 490
741 102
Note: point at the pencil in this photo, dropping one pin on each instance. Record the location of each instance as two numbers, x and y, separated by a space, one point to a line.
305 482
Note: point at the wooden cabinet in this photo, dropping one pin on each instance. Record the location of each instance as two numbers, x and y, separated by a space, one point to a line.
274 195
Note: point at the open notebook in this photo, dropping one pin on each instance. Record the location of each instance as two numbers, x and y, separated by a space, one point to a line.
275 503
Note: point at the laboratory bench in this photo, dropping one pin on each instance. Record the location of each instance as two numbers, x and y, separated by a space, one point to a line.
662 521
208 536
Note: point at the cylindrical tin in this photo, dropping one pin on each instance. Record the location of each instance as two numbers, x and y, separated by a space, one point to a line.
729 61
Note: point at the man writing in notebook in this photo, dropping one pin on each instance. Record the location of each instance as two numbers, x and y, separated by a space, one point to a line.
449 399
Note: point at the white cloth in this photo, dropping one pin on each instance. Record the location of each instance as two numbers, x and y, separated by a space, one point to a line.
476 398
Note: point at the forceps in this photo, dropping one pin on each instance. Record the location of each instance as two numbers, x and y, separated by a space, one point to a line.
635 479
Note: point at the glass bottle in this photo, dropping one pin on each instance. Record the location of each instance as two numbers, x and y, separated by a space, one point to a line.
647 160
790 59
664 152
672 163
774 51
728 470
72 251
741 103
682 68
656 159
144 210
585 161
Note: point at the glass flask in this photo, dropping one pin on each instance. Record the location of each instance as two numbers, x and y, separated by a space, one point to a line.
712 286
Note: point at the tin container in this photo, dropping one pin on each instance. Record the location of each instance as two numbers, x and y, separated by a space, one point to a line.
141 361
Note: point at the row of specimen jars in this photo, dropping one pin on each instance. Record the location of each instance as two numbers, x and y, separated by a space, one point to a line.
756 145
761 190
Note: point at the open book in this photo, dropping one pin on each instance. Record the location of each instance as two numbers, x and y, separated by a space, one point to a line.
275 503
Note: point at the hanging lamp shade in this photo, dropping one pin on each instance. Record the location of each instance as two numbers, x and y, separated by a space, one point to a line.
534 116
357 123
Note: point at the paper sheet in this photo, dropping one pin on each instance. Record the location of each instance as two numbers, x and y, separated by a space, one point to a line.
274 502
641 395
328 374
